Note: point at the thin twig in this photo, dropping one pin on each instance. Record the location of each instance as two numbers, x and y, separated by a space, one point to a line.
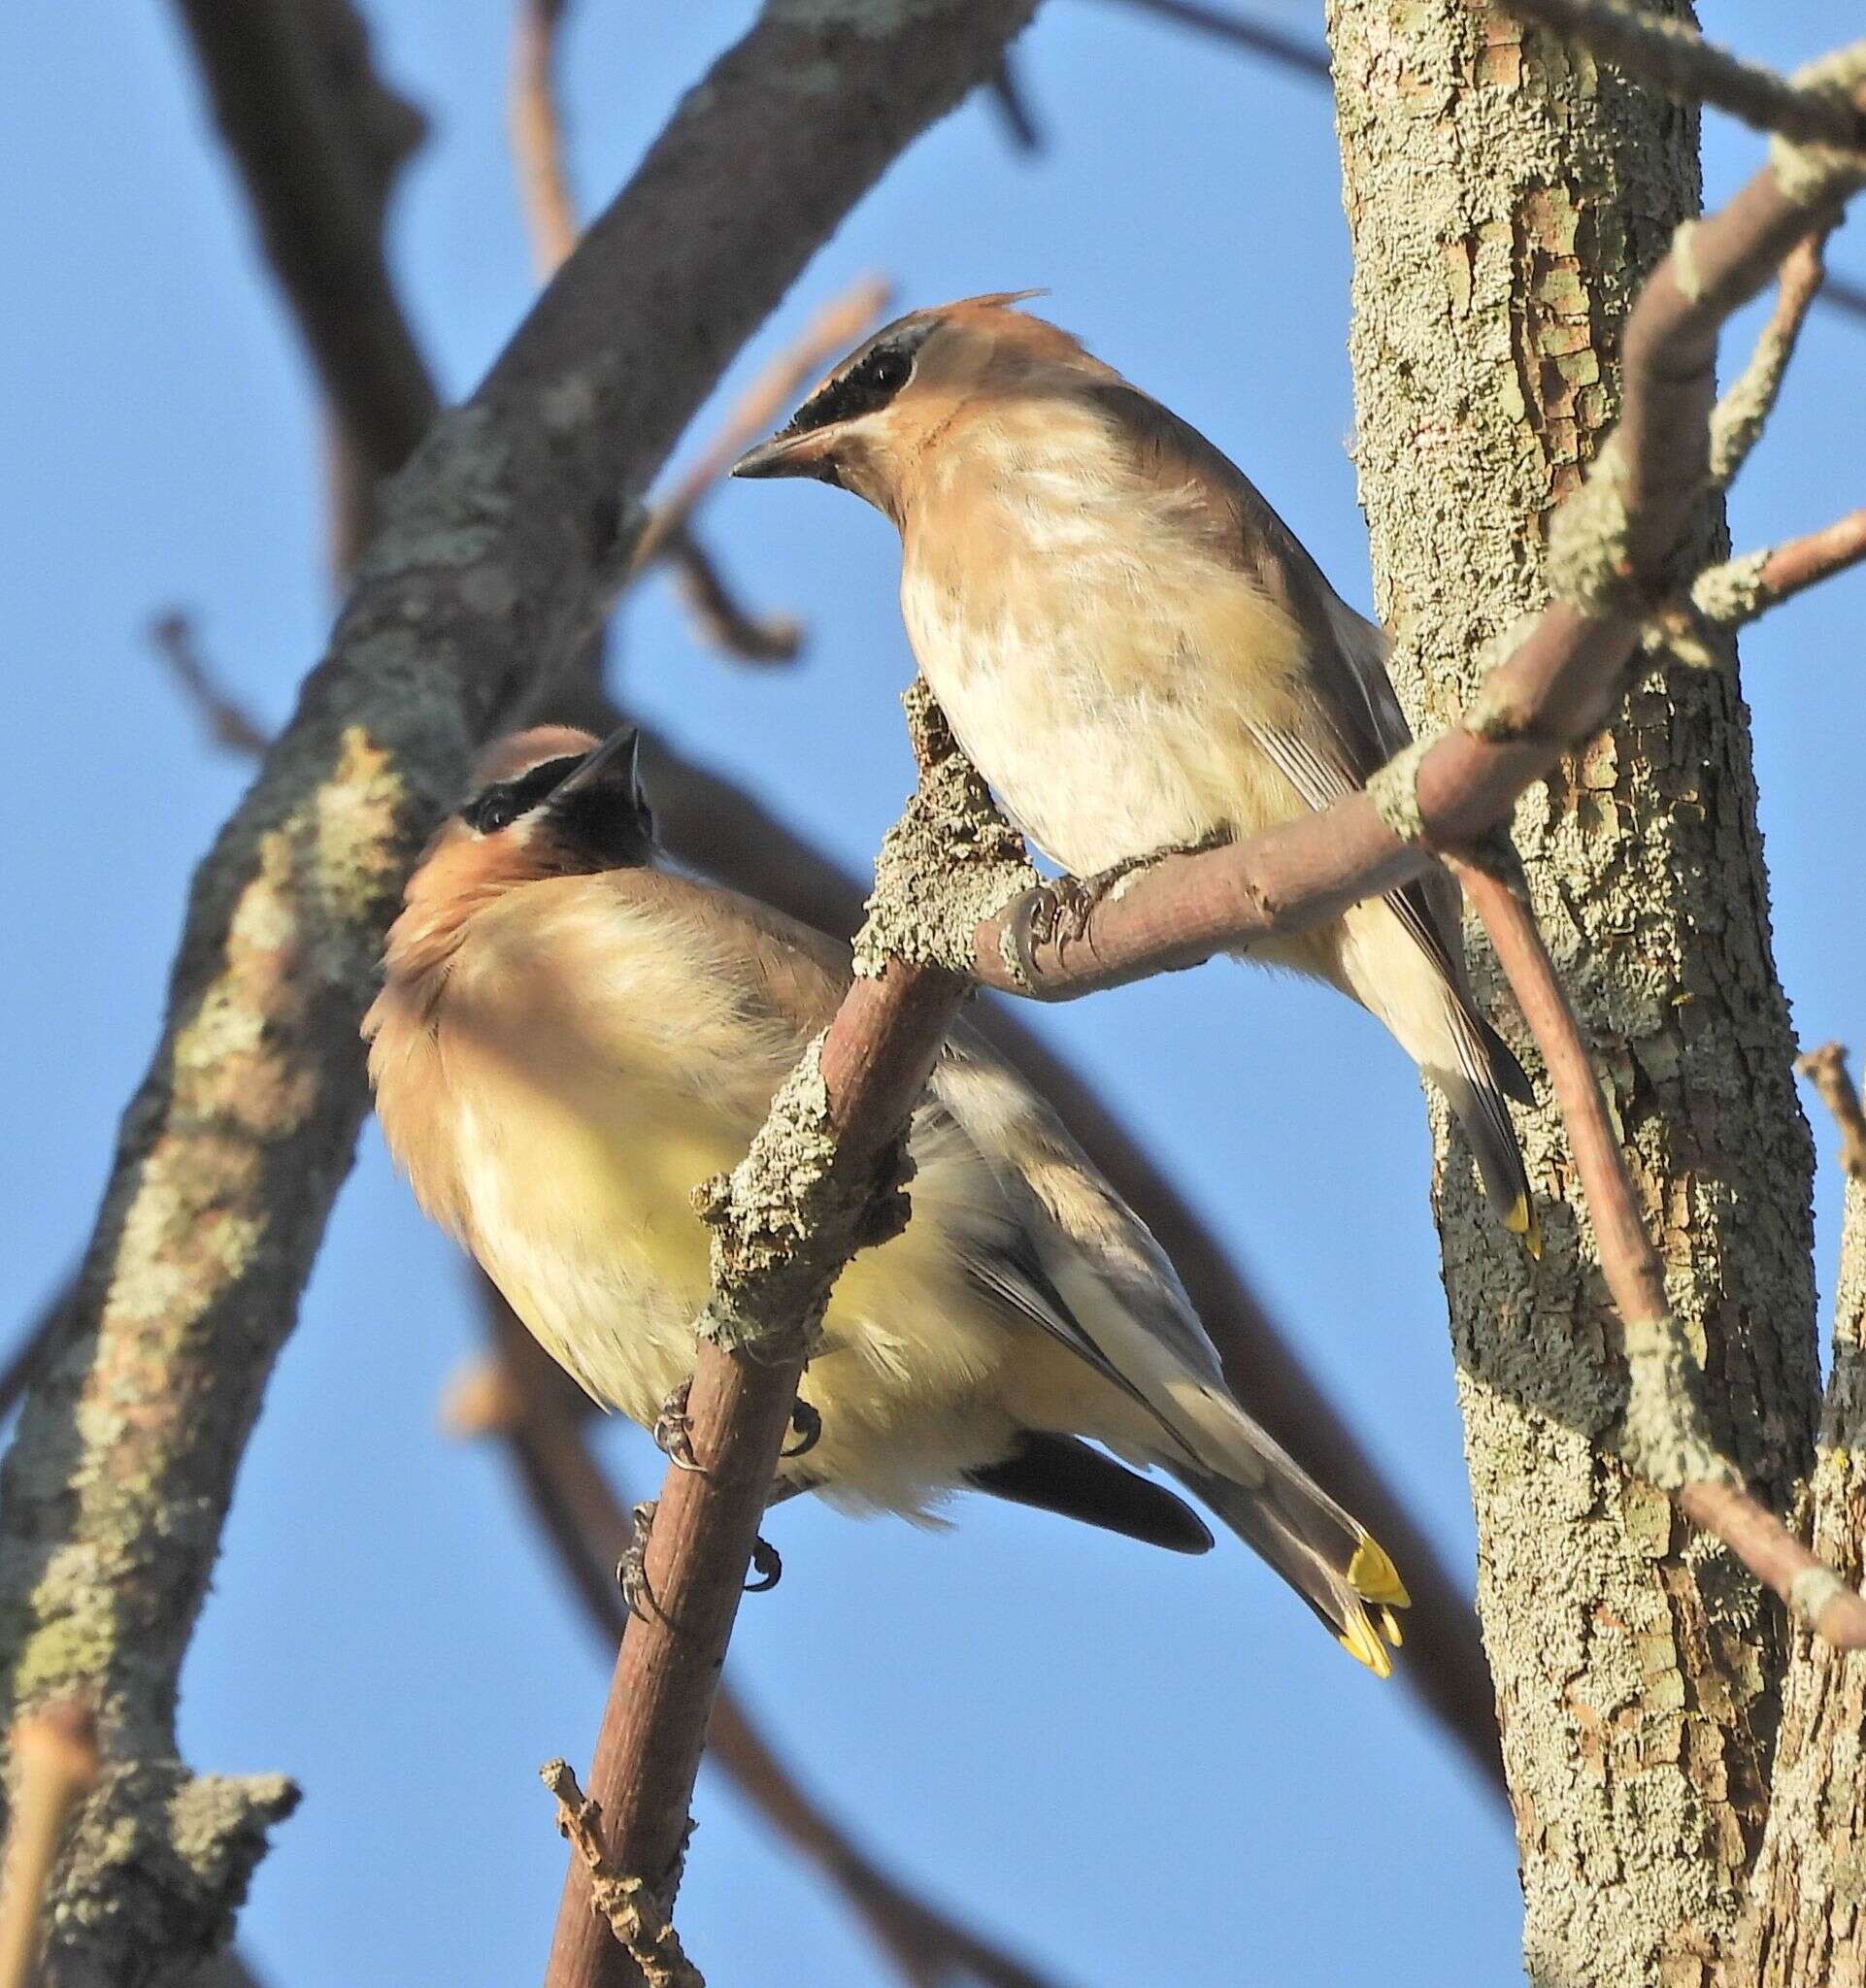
1731 594
829 334
636 1912
717 613
54 1753
23 1362
1294 53
1666 1436
227 722
1740 416
1012 102
536 120
536 124
1673 57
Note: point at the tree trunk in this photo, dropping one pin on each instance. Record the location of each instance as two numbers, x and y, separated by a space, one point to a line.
1504 196
1806 1920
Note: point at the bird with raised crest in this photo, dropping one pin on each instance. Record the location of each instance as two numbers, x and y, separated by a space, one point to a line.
1138 654
570 1037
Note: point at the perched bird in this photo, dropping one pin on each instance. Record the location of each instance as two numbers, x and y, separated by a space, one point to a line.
569 1038
1136 652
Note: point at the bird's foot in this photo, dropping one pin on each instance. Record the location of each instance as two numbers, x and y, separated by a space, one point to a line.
672 1431
631 1571
808 1428
767 1569
1065 906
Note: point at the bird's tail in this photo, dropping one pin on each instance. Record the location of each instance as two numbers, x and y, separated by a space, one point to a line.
1476 1083
1282 1514
1393 962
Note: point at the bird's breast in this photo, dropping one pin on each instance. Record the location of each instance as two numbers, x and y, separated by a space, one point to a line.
1099 666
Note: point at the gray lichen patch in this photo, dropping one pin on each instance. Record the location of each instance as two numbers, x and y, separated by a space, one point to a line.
951 862
1665 1436
781 1223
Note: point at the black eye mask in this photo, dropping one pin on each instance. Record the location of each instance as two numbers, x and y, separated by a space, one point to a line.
497 808
866 383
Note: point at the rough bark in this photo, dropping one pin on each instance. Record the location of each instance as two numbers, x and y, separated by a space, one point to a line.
497 548
1807 1919
1504 195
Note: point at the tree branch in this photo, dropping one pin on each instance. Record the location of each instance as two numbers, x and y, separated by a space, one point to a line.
1611 543
229 725
1667 1437
537 134
722 831
536 120
497 551
316 218
817 1184
525 1398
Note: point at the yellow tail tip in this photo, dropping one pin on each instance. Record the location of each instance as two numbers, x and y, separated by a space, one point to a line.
1521 1221
1390 1624
1374 1577
1364 1646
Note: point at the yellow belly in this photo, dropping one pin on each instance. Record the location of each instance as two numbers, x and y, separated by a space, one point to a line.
584 1220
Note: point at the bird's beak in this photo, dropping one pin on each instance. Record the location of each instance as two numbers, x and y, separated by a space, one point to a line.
791 455
611 765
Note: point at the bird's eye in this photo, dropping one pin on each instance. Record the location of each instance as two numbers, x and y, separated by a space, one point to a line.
493 812
888 369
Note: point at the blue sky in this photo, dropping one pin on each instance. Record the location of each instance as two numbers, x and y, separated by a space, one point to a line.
1137 1768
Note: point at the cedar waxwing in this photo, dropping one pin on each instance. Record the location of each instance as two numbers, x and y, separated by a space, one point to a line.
1136 652
568 1040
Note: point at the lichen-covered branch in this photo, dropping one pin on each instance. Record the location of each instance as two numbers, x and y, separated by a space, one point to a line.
818 1183
724 832
1738 419
496 551
1805 1922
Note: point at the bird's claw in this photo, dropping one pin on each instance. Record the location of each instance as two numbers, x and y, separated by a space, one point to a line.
1062 913
766 1568
807 1427
674 1433
631 1571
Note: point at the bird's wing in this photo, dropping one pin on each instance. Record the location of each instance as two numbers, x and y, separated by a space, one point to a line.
1075 1257
1358 722
1042 1233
